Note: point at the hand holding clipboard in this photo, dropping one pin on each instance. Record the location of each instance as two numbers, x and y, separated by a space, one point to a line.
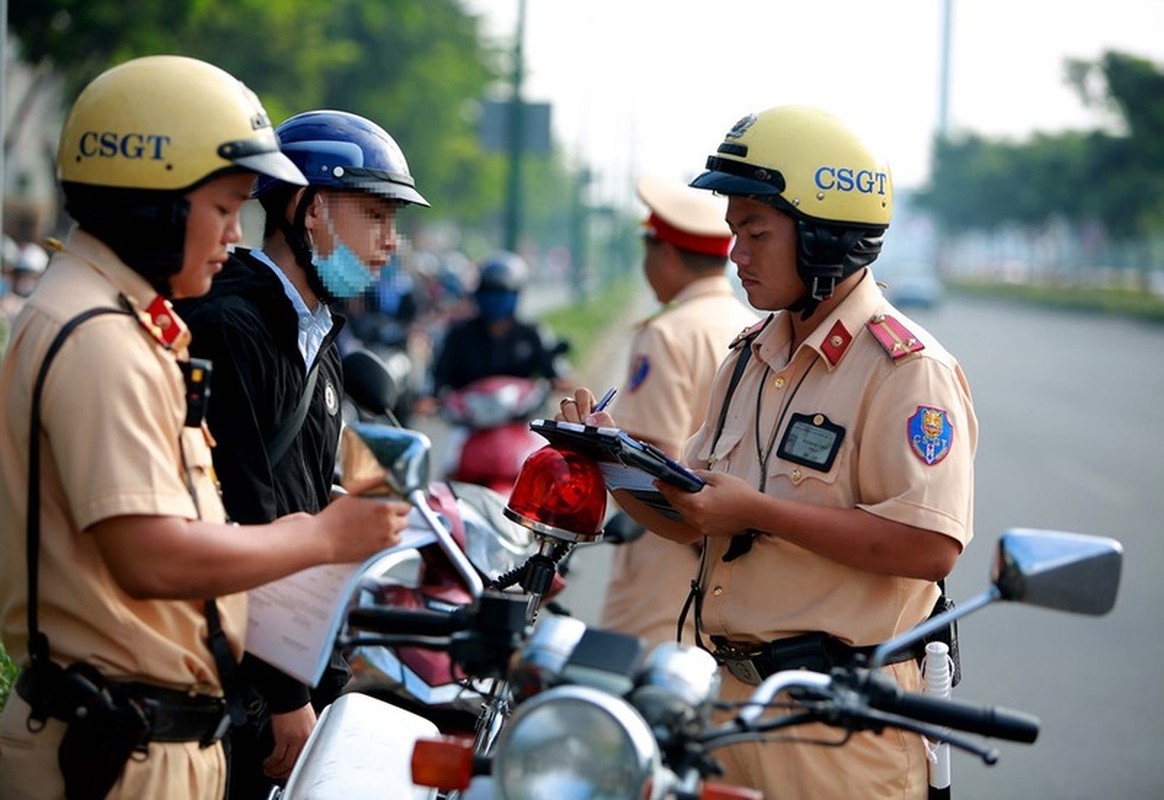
626 462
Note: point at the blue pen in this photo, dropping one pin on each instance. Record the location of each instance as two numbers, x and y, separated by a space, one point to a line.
605 401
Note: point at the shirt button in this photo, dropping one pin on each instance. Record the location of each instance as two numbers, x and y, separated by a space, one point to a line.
779 382
797 475
836 341
717 591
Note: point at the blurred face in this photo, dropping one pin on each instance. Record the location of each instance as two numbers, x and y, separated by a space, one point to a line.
764 252
212 225
366 223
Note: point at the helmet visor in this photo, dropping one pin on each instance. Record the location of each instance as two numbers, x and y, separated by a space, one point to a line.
385 184
257 157
730 177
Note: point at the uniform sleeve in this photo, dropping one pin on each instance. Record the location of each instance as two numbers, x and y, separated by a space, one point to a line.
916 459
239 381
113 409
655 402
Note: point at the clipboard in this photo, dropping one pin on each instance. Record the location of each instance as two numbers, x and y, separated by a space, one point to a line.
626 463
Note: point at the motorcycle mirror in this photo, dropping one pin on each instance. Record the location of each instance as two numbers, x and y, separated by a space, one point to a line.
1064 571
1070 572
376 459
368 382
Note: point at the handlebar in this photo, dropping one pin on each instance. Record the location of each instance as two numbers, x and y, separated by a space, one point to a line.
992 721
409 621
859 694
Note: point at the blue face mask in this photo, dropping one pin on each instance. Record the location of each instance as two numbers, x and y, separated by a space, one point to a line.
342 272
496 304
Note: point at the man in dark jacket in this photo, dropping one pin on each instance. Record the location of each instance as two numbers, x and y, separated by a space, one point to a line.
495 341
276 381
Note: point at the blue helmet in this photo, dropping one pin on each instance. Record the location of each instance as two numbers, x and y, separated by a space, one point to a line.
502 271
339 150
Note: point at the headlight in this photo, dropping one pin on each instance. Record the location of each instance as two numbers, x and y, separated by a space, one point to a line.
574 742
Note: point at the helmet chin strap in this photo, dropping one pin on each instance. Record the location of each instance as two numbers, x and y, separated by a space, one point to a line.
295 232
822 260
819 289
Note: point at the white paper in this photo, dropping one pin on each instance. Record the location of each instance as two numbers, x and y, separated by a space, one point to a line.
620 476
292 623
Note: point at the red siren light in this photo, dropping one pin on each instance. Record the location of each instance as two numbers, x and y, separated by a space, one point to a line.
559 493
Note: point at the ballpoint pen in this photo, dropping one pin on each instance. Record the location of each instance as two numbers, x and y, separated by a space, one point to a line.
605 401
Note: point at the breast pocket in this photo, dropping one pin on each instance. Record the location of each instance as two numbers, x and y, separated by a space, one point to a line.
724 455
200 471
812 473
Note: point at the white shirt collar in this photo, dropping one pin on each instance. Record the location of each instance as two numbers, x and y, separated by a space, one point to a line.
313 325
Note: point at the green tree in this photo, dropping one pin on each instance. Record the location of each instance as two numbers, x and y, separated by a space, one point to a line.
416 66
1114 179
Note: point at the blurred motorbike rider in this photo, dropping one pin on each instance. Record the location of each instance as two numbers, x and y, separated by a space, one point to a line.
277 381
838 452
128 677
495 341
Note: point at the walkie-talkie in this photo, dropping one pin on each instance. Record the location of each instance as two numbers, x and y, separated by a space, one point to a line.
196 374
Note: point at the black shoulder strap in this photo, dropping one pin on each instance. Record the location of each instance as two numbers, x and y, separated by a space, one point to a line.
38 644
38 649
278 446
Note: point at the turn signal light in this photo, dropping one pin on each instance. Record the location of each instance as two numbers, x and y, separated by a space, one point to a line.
445 763
559 493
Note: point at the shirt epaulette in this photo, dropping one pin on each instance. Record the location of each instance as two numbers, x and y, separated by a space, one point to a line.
897 339
663 309
158 320
749 333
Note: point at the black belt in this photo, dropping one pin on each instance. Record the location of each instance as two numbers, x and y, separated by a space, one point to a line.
175 716
818 652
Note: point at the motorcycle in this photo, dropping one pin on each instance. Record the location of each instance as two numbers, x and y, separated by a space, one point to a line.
476 546
491 416
377 459
594 718
389 339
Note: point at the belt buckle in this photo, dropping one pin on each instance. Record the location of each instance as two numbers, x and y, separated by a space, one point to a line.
744 671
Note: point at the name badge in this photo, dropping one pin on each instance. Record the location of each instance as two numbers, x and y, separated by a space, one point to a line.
812 441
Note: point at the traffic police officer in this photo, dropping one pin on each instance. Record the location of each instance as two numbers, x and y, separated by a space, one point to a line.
673 359
126 684
840 482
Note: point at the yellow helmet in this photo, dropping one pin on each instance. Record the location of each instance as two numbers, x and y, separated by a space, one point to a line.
807 162
167 123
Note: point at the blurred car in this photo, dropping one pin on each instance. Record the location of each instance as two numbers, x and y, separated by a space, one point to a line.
910 283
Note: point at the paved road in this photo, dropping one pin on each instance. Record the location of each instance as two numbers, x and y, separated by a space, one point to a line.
1071 439
1068 405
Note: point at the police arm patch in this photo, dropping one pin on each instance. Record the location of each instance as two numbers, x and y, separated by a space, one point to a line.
640 369
930 434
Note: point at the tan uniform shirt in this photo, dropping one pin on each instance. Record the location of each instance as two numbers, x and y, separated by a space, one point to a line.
673 359
113 443
905 452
